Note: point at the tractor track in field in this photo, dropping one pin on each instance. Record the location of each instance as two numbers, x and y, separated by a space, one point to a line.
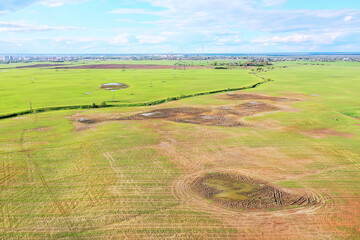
123 179
183 189
39 174
281 224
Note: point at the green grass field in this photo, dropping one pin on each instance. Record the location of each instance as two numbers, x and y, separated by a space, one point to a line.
45 87
129 179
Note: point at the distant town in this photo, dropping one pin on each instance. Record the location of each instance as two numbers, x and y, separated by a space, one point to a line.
323 57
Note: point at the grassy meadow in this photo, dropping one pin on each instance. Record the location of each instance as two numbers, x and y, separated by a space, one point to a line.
129 179
45 87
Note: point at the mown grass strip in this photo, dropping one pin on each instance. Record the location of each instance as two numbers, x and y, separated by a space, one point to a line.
150 103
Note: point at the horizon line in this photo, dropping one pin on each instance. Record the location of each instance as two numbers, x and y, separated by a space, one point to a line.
263 53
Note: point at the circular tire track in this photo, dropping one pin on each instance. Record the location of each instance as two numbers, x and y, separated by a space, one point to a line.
243 221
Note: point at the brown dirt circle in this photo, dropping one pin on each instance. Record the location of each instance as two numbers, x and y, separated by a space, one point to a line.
128 66
265 197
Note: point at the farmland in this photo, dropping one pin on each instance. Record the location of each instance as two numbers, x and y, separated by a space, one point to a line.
45 87
140 172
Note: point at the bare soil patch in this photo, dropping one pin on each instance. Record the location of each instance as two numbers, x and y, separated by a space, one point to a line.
125 66
229 116
41 65
38 66
41 129
322 133
240 192
249 96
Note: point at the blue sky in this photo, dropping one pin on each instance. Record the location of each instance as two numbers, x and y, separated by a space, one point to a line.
180 26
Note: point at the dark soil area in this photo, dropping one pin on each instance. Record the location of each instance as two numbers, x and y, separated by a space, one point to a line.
228 116
125 66
38 66
262 196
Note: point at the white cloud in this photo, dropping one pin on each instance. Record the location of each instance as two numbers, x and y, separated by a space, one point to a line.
6 6
188 24
57 3
117 40
169 34
348 18
271 3
323 38
120 39
201 15
24 27
151 39
4 12
134 11
11 5
69 40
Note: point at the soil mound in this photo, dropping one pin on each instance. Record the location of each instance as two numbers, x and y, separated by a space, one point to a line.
240 192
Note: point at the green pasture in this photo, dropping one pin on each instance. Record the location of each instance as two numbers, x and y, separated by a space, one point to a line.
44 87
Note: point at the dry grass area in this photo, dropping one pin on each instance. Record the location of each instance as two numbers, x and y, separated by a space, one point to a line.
323 133
116 174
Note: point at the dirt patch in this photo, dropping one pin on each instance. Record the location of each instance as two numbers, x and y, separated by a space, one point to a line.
41 129
248 96
322 133
239 192
229 116
252 108
113 86
38 66
41 65
126 66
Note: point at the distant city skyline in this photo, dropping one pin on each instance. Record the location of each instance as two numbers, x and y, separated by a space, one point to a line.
178 26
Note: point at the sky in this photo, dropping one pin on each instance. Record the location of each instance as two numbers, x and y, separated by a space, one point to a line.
178 26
